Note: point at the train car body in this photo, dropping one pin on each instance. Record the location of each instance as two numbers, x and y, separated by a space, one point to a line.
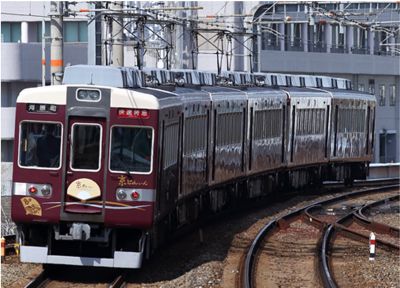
308 116
113 161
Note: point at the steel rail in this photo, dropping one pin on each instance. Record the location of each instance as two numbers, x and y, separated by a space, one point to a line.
119 281
327 278
40 280
247 270
374 225
361 183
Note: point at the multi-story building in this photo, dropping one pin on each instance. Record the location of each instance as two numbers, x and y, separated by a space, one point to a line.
357 41
21 61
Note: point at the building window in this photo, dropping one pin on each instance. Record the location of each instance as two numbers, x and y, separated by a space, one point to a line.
392 95
382 98
316 36
11 32
371 86
75 32
270 37
360 37
387 147
39 31
361 87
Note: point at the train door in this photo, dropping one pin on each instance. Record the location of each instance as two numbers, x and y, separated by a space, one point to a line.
85 165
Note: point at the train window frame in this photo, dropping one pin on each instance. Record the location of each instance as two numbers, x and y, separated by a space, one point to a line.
90 101
61 145
151 149
71 147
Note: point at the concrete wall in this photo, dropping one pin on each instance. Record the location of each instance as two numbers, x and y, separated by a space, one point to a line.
6 177
7 123
312 62
379 171
22 61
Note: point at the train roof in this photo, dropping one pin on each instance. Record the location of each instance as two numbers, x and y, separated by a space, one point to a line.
42 95
350 94
148 98
305 92
118 77
129 77
263 91
222 90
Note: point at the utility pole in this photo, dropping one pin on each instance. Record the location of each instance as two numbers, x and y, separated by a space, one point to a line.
140 23
98 31
56 49
238 47
43 53
117 35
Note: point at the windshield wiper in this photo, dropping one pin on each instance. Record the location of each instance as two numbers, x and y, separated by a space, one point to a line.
125 167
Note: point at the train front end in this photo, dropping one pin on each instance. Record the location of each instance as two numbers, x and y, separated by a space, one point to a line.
84 175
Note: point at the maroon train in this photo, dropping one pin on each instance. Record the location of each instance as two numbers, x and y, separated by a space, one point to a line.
108 164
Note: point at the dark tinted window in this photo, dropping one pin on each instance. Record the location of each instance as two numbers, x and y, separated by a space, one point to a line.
86 147
131 149
39 144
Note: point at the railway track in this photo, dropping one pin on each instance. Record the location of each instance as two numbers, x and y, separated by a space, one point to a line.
44 279
346 255
328 223
119 281
39 281
341 226
363 183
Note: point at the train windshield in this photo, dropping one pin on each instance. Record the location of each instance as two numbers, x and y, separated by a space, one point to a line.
131 149
85 154
40 144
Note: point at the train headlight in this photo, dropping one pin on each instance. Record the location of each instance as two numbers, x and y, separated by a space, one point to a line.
88 95
121 194
46 191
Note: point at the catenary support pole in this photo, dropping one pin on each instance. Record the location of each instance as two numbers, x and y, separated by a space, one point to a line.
57 43
117 35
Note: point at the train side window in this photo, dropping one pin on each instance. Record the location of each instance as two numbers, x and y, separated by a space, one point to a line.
131 149
195 127
40 145
171 147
